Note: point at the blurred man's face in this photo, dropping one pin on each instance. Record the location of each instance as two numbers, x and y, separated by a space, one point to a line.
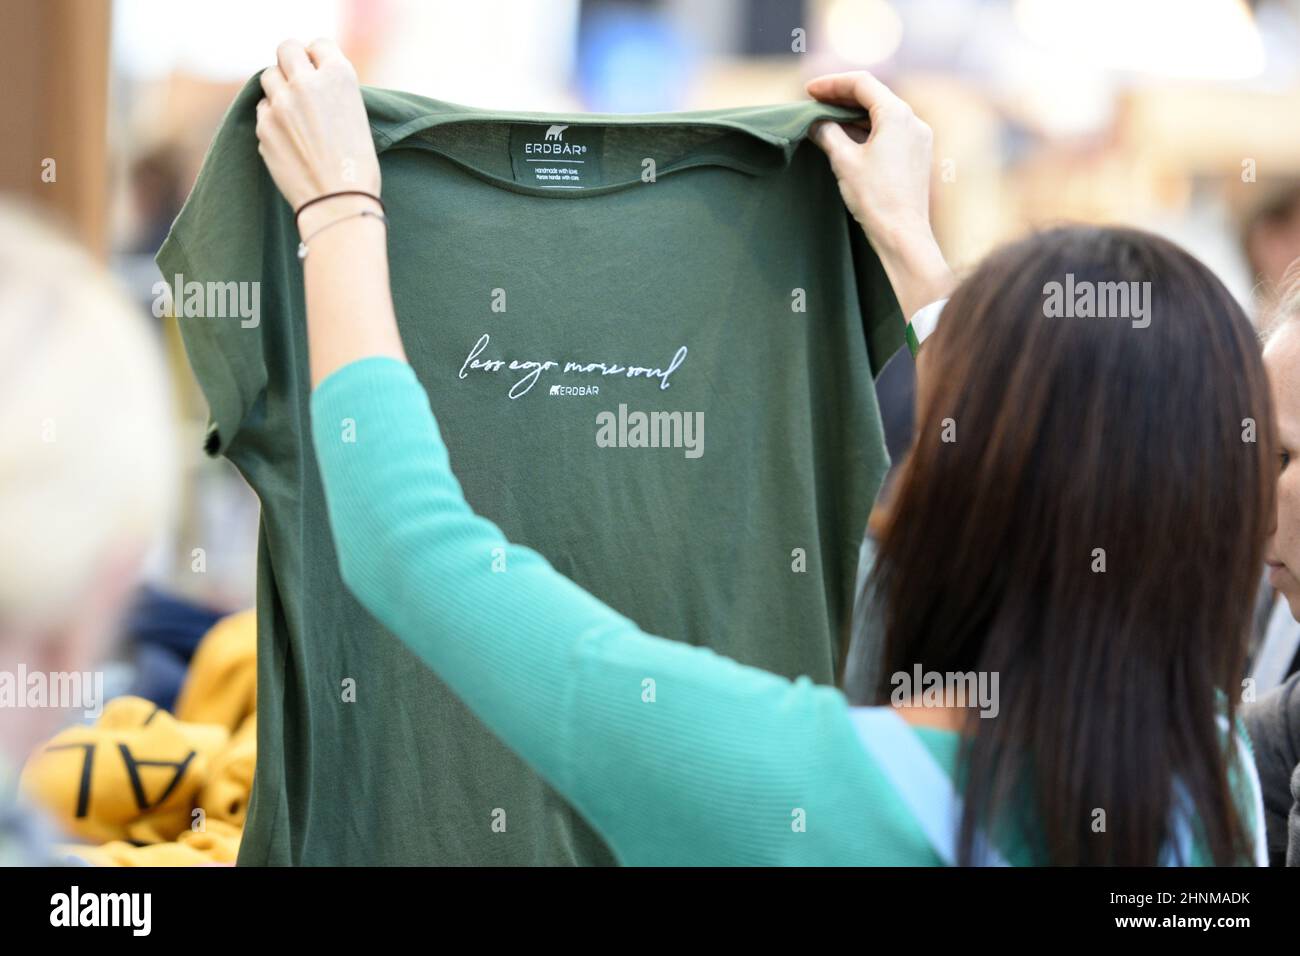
1274 244
1282 359
77 645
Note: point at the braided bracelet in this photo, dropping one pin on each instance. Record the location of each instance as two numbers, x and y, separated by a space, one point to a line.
297 215
302 246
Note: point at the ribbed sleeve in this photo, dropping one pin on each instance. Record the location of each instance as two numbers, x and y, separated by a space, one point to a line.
674 754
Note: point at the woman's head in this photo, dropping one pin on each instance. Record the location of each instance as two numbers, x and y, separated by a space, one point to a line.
1282 359
1083 513
87 467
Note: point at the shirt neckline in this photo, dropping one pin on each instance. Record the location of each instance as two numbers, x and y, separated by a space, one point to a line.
395 116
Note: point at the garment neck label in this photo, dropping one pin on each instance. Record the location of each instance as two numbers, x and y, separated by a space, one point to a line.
557 156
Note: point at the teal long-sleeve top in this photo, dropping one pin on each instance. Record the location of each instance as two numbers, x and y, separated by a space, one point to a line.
675 754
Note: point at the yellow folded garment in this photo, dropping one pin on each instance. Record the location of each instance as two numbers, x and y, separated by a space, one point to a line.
158 790
217 843
221 687
133 776
225 794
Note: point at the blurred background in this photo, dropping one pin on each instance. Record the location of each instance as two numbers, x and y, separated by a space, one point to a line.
1181 116
1178 116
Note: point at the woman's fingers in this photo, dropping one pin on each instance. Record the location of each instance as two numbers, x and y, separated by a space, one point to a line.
273 82
324 52
833 140
858 88
832 88
292 59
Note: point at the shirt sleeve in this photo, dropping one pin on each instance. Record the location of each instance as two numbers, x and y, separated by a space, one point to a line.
672 752
923 324
215 261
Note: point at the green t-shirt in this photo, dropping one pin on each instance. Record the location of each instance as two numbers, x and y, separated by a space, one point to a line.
558 282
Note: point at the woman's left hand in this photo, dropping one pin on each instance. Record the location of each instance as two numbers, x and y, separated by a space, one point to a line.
884 178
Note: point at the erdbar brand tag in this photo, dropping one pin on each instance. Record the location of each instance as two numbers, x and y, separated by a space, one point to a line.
558 156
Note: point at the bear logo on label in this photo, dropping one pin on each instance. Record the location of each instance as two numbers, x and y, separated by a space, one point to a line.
556 132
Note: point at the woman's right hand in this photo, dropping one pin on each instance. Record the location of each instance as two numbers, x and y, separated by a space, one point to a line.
884 177
312 130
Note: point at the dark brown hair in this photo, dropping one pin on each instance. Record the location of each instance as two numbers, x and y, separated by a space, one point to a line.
1154 444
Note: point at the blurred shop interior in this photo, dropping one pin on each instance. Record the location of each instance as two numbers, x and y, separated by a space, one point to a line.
1174 115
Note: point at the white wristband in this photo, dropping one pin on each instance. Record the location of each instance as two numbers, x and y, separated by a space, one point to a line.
926 320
